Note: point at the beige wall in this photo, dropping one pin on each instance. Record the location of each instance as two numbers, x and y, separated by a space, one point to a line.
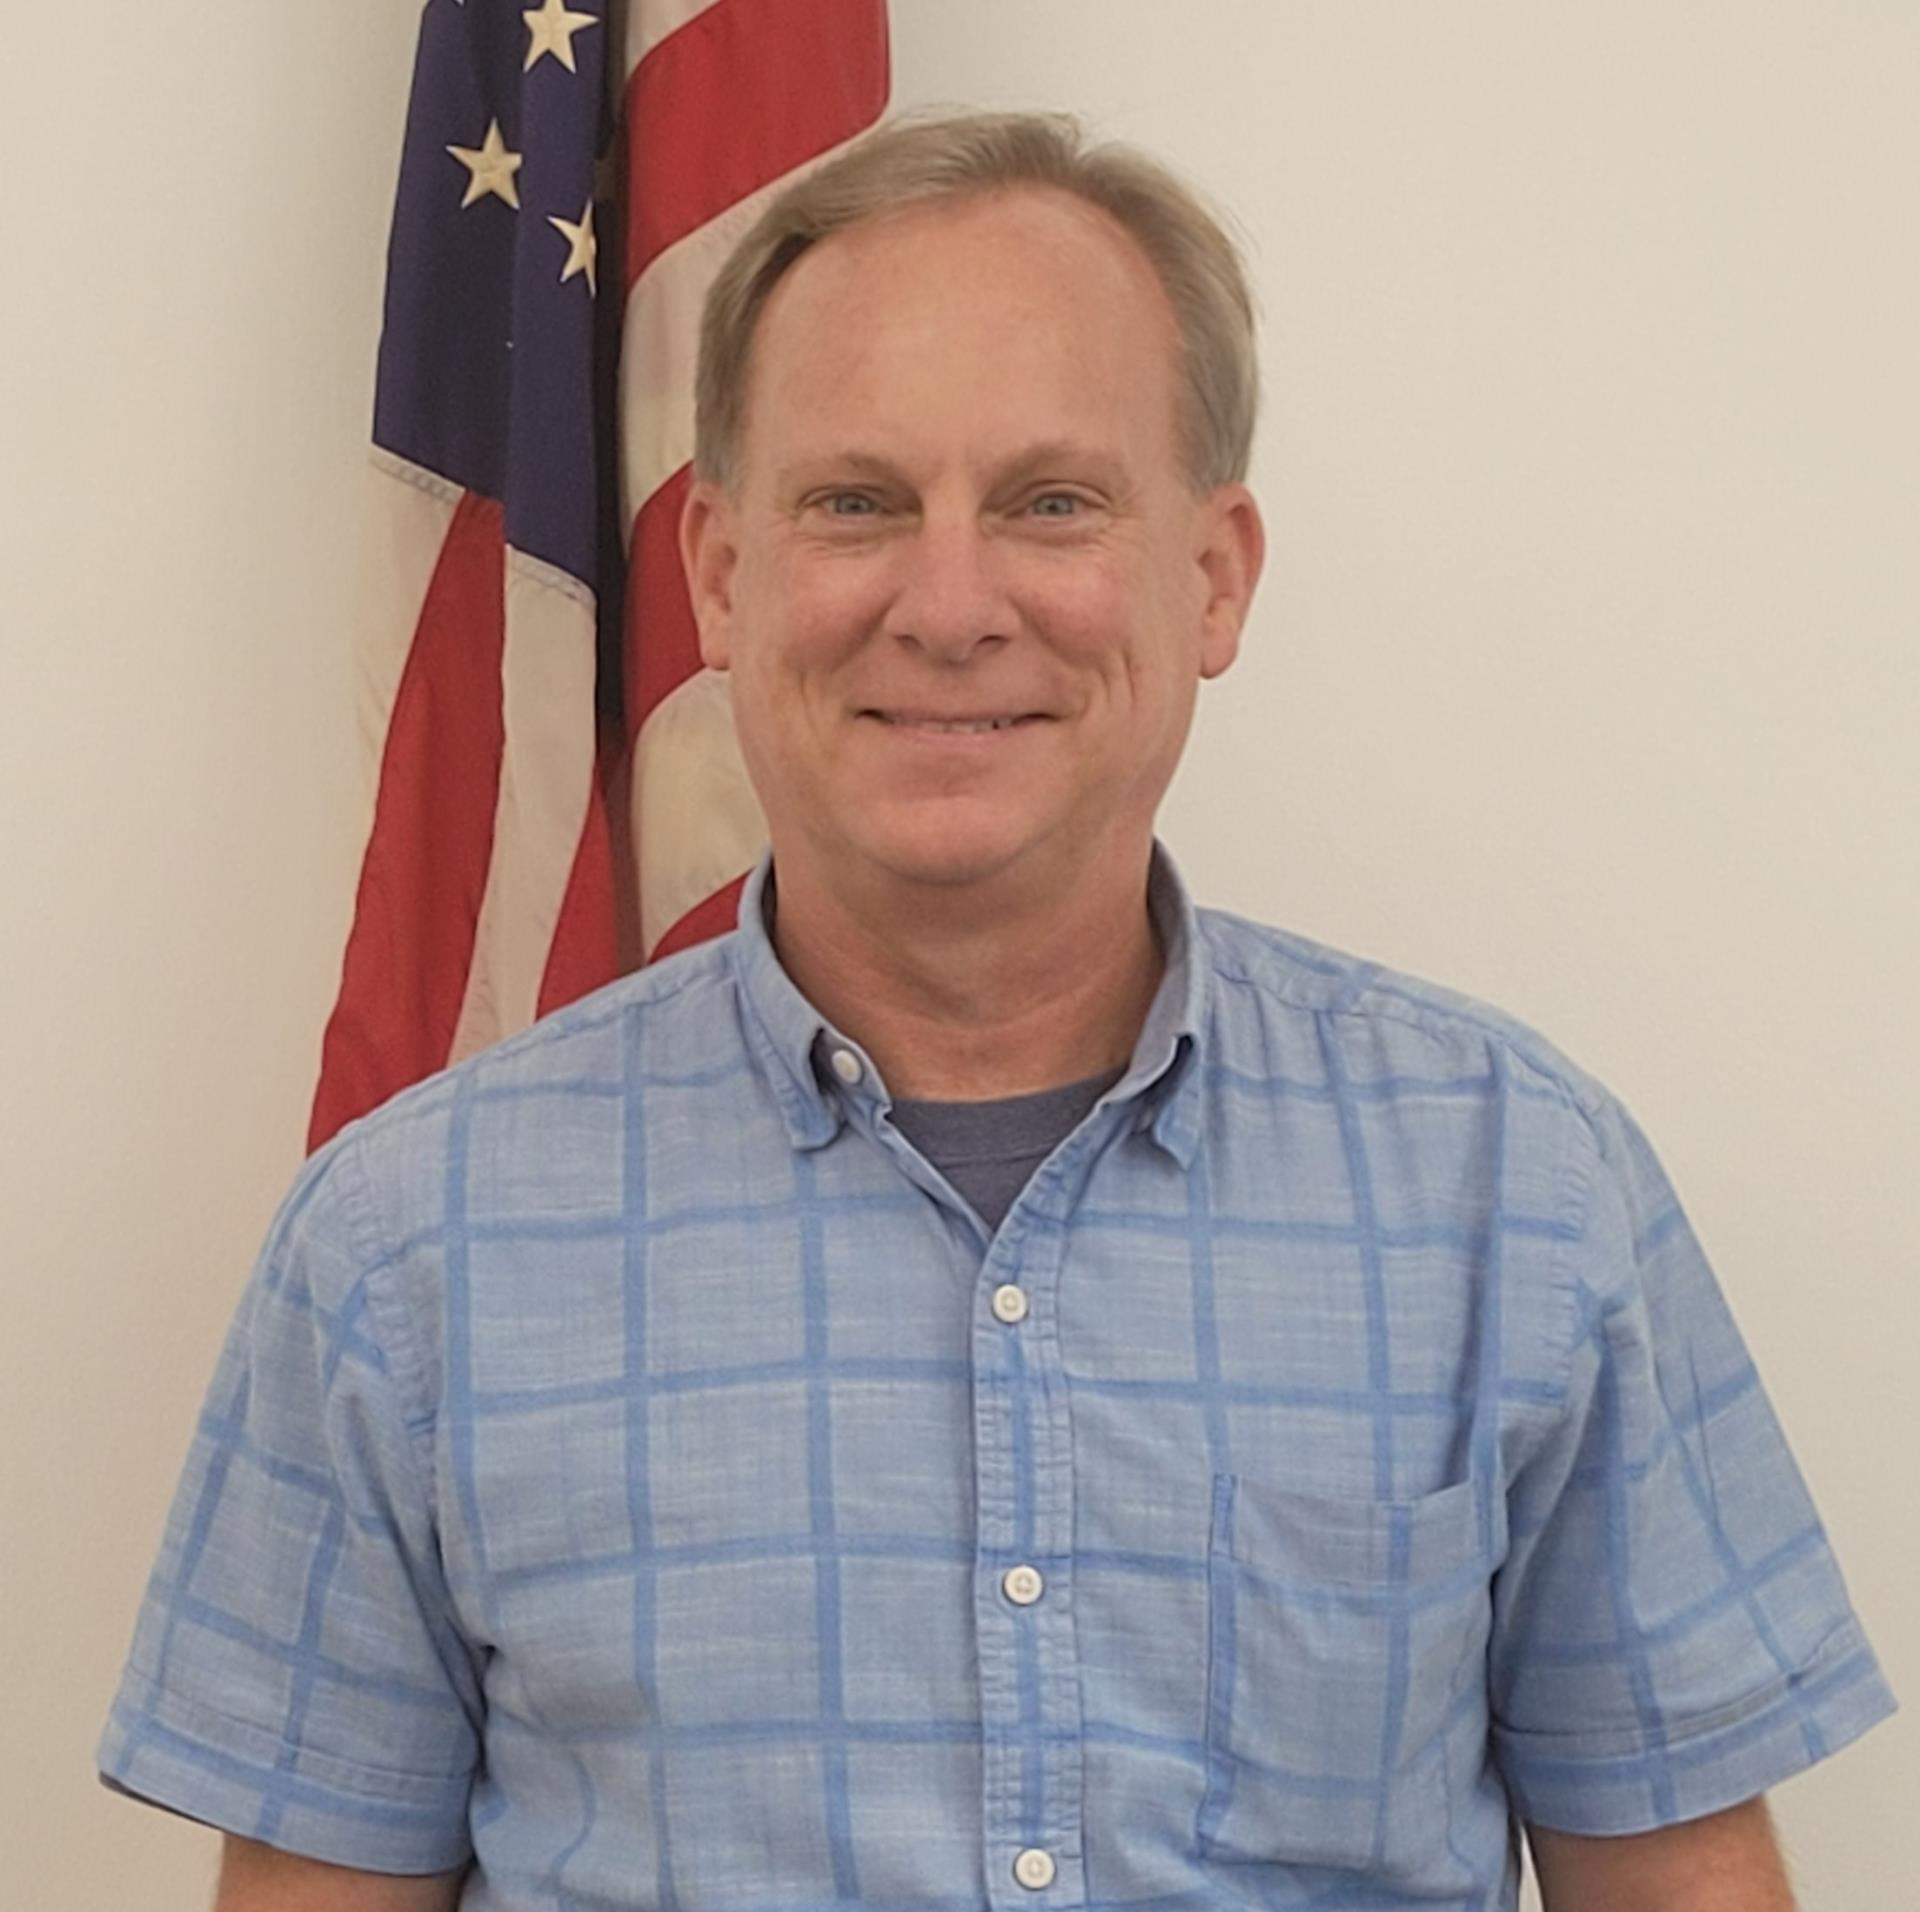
1586 678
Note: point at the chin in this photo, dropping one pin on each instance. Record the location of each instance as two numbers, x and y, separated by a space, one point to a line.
947 850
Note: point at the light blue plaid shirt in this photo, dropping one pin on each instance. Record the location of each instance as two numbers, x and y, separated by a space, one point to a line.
634 1466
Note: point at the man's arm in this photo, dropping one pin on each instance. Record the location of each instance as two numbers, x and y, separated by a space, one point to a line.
257 1878
1726 1862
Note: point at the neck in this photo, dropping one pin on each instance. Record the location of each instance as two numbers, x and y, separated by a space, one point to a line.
962 996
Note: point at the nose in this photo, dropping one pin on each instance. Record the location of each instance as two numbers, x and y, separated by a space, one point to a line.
950 599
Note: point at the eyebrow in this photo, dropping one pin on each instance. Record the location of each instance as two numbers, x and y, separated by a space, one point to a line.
1050 455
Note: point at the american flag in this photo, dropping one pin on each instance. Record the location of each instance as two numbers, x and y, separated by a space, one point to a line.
556 791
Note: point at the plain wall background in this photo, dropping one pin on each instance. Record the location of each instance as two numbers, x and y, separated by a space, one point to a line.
1585 678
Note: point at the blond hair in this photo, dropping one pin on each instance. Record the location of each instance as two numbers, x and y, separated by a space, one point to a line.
921 160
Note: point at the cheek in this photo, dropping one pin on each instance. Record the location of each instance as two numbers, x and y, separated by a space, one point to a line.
1121 635
816 612
1090 615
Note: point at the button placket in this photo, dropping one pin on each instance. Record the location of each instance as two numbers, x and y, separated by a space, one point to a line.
1026 1631
1000 1486
1050 1620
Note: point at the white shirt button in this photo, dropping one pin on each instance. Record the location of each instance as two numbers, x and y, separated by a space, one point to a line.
846 1065
1034 1868
1022 1585
1009 1302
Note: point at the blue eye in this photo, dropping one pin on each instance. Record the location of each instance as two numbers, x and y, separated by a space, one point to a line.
1056 498
834 500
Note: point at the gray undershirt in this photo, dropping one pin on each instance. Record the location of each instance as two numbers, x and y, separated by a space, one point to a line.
987 1150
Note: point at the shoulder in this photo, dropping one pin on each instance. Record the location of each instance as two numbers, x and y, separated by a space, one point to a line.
578 1047
397 1162
1387 1022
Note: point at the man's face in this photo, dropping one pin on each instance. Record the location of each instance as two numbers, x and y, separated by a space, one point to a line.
961 497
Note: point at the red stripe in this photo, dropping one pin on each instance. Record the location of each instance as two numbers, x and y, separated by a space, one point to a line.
742 93
662 639
404 976
718 914
585 951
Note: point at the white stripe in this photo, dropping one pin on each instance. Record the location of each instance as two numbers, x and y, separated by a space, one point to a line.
650 21
660 348
696 820
546 784
406 514
661 344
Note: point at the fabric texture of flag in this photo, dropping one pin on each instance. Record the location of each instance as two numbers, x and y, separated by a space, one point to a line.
556 790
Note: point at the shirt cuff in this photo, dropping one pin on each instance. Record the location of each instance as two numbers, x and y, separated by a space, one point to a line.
1571 1783
171 1751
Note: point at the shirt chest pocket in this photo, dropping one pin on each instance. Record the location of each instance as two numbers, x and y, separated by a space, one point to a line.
1345 1636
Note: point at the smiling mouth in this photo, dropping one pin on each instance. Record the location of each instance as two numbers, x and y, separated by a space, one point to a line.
954 726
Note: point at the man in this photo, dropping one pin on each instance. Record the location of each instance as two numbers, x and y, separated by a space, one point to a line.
988 1385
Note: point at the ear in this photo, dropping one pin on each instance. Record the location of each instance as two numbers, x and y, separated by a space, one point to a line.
1231 549
709 549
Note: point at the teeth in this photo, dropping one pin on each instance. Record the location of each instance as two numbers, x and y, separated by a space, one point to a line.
988 723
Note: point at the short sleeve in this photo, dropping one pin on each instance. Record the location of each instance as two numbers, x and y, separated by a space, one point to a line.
1671 1633
296 1676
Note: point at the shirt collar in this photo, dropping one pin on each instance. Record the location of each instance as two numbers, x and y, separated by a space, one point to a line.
801 1054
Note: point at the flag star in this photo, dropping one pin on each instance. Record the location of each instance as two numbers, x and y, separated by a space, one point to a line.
550 29
492 167
586 248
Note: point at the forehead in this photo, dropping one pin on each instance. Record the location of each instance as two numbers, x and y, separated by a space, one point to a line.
1026 309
